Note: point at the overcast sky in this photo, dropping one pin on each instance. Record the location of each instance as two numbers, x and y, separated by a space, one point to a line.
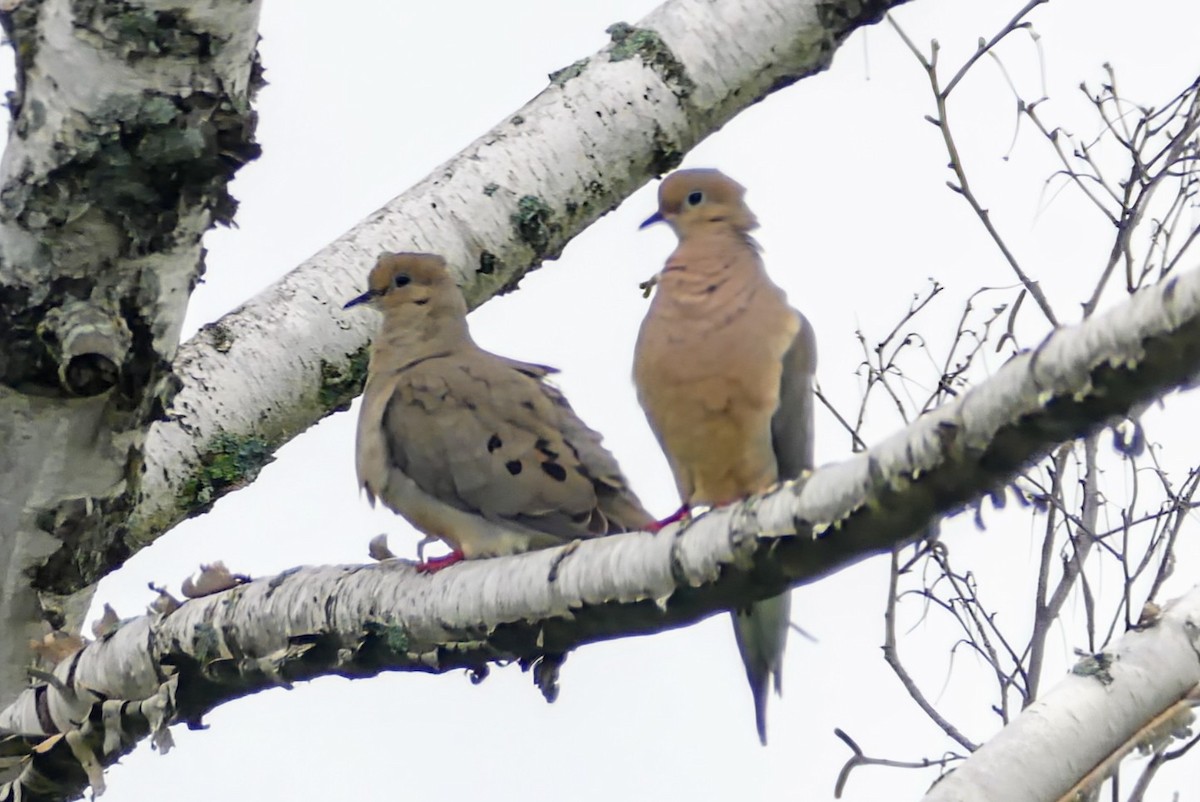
848 181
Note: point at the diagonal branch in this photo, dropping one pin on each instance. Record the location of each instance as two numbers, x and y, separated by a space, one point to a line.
1138 694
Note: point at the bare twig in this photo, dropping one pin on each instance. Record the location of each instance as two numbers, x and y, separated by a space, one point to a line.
961 185
1014 24
892 657
861 759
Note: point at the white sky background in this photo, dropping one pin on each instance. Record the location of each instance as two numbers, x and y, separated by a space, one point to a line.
847 180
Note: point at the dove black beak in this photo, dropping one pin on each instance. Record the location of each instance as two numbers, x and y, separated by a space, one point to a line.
651 220
361 299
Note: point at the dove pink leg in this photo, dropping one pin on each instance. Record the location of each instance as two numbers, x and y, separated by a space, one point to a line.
435 564
678 515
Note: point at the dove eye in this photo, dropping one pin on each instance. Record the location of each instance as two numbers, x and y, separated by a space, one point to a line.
401 280
695 199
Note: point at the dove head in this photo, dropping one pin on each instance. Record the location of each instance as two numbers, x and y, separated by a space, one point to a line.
695 200
411 284
422 307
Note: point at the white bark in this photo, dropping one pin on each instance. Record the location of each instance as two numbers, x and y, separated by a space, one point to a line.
128 124
358 620
1103 707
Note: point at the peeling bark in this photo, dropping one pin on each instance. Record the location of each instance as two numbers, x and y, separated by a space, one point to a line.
129 123
359 620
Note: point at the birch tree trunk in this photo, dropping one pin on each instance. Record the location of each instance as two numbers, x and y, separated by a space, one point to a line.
111 166
128 124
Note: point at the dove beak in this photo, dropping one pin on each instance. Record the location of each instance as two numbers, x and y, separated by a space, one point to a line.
651 220
361 299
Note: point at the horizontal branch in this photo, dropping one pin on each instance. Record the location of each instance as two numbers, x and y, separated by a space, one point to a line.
359 620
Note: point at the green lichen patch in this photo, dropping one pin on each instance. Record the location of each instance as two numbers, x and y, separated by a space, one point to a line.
231 461
560 77
342 382
535 224
382 643
629 41
1098 666
393 636
145 161
136 32
206 643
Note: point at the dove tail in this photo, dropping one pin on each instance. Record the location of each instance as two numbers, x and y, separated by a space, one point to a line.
761 631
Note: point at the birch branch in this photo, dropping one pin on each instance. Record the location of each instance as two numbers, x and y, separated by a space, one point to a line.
1138 694
359 620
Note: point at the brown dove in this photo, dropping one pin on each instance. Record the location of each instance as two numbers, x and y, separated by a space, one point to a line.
724 369
474 448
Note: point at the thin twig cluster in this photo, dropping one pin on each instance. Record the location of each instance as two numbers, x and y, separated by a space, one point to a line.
1107 513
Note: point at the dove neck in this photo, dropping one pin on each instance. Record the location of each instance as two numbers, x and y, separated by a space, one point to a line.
407 336
713 253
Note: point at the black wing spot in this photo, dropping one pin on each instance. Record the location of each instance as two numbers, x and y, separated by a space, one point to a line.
543 445
555 471
529 406
514 466
494 442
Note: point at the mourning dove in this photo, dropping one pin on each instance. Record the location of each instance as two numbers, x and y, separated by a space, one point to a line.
724 368
473 448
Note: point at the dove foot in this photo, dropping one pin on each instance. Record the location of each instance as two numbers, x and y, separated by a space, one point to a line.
678 515
435 564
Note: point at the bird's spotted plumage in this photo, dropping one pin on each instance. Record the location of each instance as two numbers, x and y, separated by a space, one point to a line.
473 448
